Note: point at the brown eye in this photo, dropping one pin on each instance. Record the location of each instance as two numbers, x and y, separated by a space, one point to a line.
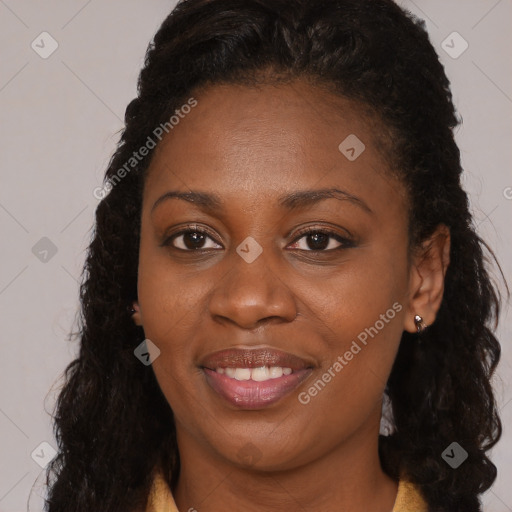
191 240
321 240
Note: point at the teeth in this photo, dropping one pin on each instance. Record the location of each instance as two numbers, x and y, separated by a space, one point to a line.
230 372
276 372
260 374
242 373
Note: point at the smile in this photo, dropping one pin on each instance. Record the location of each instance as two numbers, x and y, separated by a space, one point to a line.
254 379
260 374
254 394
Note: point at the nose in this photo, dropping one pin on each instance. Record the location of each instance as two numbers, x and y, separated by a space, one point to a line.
251 293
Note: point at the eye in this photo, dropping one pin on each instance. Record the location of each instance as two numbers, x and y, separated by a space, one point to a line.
192 239
321 240
315 240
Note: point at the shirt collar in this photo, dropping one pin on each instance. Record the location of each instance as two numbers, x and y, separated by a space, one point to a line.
408 498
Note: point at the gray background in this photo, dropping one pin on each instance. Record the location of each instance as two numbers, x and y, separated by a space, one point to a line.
59 122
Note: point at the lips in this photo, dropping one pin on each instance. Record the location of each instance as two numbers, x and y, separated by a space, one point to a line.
253 358
254 378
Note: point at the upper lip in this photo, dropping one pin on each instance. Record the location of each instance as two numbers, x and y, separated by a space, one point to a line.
253 358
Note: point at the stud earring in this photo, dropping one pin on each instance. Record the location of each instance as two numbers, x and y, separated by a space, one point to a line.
419 323
132 309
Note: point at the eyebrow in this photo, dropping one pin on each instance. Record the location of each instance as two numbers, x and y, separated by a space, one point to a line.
293 201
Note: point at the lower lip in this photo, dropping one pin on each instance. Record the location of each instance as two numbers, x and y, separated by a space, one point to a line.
249 394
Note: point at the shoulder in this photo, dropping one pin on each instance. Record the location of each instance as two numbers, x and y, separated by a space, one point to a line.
409 498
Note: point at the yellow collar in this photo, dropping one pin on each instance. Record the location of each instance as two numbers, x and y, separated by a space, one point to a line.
408 498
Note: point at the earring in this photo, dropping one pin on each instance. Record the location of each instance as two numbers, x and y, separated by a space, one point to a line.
419 323
133 308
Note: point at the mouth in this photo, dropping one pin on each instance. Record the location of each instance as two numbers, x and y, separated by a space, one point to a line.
254 378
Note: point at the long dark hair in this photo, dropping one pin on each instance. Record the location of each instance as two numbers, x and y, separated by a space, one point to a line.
112 422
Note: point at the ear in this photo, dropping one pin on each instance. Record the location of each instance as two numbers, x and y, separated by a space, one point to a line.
426 281
136 316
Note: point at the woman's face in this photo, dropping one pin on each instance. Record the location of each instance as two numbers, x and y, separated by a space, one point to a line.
279 314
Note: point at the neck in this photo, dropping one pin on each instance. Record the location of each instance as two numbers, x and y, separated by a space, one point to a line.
349 477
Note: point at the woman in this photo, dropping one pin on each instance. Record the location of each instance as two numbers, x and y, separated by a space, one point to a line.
286 224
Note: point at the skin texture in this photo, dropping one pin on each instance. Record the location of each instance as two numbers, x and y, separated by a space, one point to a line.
251 146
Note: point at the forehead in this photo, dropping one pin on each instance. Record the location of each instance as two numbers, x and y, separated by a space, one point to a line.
267 139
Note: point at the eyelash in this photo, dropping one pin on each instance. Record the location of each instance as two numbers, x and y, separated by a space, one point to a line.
344 241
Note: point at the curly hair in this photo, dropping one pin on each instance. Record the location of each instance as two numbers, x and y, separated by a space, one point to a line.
113 424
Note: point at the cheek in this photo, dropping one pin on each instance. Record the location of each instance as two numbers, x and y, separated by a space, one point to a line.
171 310
169 298
170 307
359 313
353 297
